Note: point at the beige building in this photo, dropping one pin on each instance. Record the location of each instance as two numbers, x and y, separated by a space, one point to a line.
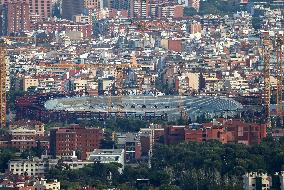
29 124
82 19
30 167
106 84
165 43
29 82
80 85
43 184
92 4
193 81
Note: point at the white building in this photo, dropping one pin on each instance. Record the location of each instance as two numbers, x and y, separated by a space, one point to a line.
108 156
254 180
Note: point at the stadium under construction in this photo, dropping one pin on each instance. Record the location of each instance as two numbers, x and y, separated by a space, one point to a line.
56 107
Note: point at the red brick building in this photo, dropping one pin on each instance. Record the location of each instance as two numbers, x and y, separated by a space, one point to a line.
204 134
225 131
175 45
63 141
178 11
246 133
17 17
174 134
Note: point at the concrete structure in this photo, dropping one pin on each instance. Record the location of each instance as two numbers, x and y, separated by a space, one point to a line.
29 124
82 19
42 8
148 137
194 81
148 104
120 4
130 142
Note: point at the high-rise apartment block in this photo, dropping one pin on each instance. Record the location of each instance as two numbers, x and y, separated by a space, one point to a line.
139 8
42 8
16 18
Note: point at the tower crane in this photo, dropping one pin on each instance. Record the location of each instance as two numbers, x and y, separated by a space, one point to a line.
267 87
3 53
3 110
183 113
279 74
119 76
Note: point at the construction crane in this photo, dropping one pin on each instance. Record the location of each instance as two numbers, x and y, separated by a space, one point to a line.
109 100
267 87
3 116
119 84
119 75
183 113
3 53
119 79
279 74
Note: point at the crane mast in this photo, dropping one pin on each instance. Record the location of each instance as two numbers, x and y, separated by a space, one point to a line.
279 74
267 88
3 116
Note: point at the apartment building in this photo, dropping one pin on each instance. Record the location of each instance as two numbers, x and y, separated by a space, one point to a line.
63 141
25 139
30 82
16 18
41 9
31 167
93 4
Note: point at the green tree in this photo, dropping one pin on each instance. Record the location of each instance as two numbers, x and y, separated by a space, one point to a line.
169 187
6 154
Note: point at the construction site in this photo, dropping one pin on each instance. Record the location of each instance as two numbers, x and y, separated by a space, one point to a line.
170 106
60 107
